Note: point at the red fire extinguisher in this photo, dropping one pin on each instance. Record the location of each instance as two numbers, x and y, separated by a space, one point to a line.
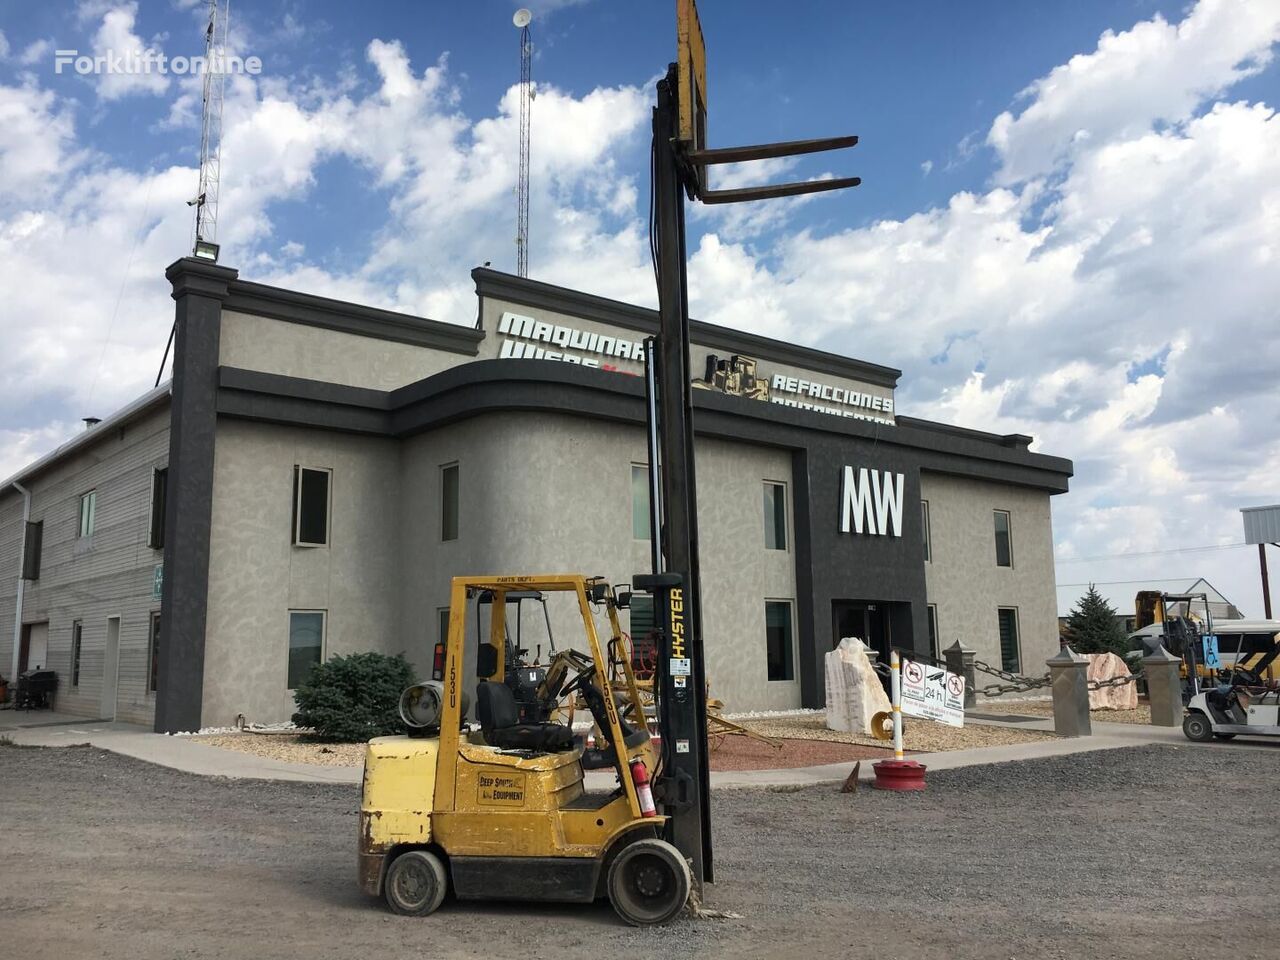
640 777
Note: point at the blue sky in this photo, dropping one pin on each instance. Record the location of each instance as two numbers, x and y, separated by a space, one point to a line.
1066 226
918 82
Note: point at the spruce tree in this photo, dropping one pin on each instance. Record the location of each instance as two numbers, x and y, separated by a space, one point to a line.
1092 626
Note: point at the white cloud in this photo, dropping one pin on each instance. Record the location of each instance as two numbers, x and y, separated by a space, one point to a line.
36 52
115 38
1121 311
926 167
1155 72
4 46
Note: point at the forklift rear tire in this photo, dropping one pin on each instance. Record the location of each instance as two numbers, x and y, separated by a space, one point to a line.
1197 727
415 884
649 882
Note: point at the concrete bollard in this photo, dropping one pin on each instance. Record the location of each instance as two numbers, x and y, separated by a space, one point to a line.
1068 672
960 660
1164 687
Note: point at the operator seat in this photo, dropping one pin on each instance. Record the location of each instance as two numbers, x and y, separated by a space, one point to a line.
500 723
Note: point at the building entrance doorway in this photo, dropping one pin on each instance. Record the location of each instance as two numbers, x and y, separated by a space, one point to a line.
868 620
34 647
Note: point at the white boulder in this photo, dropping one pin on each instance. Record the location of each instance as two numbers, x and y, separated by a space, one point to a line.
854 692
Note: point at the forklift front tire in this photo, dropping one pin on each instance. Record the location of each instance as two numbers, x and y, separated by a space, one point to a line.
1197 727
415 884
649 882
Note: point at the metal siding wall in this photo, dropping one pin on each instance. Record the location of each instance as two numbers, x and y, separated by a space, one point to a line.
108 574
10 567
1262 525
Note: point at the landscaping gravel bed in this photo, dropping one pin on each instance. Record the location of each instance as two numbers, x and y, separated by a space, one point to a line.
1044 708
734 752
921 736
1080 856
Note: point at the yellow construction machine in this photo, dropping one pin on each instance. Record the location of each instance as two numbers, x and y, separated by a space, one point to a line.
496 806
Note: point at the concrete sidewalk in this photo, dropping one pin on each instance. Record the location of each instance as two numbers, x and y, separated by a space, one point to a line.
183 753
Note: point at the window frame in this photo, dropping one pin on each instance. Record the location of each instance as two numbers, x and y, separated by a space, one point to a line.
86 520
1008 533
77 646
153 652
1017 640
935 638
445 469
32 547
791 635
771 523
641 471
928 530
324 641
298 470
156 507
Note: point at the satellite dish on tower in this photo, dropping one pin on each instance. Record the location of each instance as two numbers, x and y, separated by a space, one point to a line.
522 17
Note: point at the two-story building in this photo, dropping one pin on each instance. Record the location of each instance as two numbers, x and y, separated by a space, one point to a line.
318 470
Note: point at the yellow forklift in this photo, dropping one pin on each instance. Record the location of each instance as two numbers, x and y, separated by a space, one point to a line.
495 806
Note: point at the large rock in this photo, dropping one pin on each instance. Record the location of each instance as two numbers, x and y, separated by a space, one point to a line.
854 693
1105 666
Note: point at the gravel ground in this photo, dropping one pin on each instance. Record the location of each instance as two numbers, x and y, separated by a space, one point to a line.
1044 708
917 735
1081 856
727 753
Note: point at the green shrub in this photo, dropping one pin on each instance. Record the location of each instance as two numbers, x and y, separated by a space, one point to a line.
353 698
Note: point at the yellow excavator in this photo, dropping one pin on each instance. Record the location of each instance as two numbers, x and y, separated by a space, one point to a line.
496 805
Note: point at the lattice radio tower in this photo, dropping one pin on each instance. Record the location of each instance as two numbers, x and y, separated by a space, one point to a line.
521 20
215 48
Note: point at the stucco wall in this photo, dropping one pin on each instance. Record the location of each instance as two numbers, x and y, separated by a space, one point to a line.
553 494
90 579
964 581
297 350
256 575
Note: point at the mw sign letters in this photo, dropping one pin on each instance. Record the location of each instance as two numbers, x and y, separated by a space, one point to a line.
871 502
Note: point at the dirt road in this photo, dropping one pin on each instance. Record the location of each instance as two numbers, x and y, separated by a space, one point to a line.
1086 856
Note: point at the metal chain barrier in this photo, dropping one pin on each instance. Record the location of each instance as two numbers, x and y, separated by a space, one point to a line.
1014 684
1113 682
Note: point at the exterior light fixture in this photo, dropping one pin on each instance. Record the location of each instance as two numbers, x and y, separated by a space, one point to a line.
206 250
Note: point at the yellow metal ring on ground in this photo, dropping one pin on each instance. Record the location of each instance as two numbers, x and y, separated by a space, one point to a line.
882 725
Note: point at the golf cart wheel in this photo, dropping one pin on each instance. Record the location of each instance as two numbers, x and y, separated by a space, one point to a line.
649 882
1197 727
415 884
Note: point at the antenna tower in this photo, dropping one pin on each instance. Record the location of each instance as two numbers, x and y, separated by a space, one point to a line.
215 49
521 20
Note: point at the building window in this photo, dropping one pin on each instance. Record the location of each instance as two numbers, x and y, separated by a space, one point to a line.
1004 539
77 632
159 490
32 544
88 512
1010 656
925 532
449 502
775 516
153 645
933 632
306 643
310 507
640 502
777 634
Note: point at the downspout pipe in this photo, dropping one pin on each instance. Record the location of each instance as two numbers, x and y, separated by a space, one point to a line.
17 612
